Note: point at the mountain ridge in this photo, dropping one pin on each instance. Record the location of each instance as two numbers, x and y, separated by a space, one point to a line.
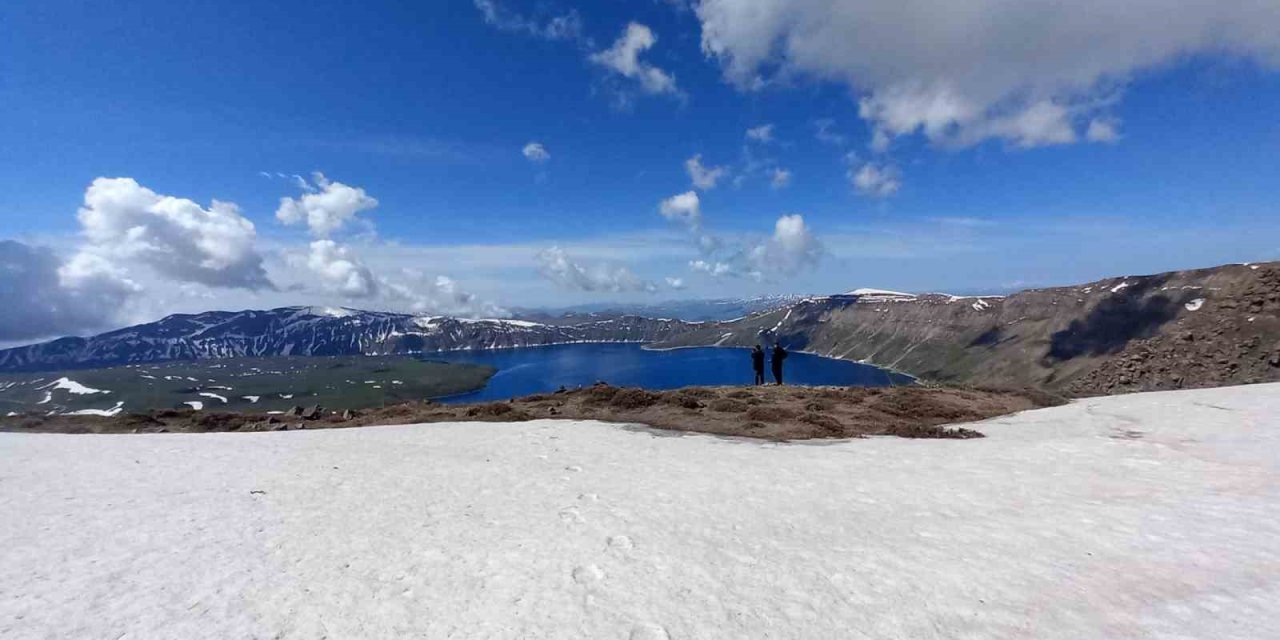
317 331
1180 329
1173 330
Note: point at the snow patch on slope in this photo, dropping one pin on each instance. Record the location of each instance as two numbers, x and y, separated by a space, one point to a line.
72 386
99 412
881 295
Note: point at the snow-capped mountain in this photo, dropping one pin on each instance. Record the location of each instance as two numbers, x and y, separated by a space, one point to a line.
317 331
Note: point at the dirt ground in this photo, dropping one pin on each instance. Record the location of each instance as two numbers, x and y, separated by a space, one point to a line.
768 412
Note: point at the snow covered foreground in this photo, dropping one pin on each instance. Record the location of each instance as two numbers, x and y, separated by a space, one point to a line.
1145 516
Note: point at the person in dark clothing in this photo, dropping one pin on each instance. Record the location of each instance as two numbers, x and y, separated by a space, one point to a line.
779 354
757 363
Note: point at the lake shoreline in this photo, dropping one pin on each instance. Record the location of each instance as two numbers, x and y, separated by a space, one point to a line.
525 372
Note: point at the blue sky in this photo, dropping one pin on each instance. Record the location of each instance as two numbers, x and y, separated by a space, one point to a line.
1007 164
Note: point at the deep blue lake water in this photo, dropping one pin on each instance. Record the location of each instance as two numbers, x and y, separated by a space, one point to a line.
544 369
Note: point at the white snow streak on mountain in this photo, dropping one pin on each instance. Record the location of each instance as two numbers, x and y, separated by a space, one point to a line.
1144 516
72 386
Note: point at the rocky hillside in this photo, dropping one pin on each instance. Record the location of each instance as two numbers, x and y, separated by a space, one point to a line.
316 331
1197 328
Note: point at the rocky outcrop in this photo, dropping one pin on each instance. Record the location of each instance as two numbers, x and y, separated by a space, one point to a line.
1174 330
1228 336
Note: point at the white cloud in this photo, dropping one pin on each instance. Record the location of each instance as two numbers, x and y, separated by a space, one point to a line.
125 223
715 269
824 130
880 181
791 249
704 178
41 296
1030 72
780 178
566 26
415 292
1103 130
762 133
327 207
535 152
340 272
556 265
676 284
684 208
332 269
880 141
623 58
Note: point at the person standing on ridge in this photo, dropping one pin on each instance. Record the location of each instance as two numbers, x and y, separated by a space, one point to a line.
757 364
779 354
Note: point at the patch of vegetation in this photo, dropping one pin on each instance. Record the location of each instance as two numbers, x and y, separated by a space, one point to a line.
246 384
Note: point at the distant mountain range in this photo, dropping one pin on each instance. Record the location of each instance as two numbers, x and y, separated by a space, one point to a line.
1174 330
319 331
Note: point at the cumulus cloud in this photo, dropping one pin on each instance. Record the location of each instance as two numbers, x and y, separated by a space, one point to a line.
566 26
558 267
676 284
125 223
326 207
535 152
1031 73
43 296
415 292
762 133
684 208
879 181
791 249
332 269
337 271
623 58
712 268
780 178
1103 130
703 177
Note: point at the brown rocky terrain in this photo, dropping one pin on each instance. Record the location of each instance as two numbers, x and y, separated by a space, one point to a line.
770 412
1183 329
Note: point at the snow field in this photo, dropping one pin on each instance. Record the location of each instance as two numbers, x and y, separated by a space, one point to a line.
1145 516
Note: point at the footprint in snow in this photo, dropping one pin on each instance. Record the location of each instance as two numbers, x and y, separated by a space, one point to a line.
649 632
571 516
587 575
574 468
620 543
